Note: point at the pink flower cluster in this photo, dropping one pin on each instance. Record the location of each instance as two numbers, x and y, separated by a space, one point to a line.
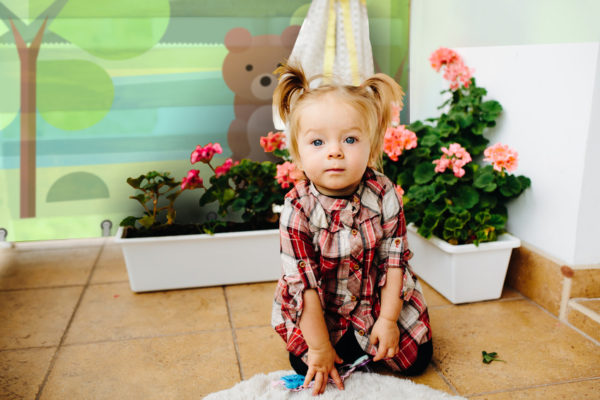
273 141
206 153
396 108
192 180
287 174
454 157
223 169
397 139
457 73
502 157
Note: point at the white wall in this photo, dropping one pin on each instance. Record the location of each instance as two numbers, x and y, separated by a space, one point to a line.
547 93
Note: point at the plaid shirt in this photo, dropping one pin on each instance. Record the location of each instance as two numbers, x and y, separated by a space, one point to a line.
342 248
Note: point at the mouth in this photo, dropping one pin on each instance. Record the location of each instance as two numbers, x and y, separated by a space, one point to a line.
335 170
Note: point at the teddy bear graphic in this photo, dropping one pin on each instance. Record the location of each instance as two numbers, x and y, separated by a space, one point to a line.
248 71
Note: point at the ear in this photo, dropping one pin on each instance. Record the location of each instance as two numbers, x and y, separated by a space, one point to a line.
238 39
289 35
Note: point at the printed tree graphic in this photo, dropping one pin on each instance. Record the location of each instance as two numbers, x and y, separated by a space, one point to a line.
75 93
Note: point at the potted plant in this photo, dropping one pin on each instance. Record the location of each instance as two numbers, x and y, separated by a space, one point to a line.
454 201
161 254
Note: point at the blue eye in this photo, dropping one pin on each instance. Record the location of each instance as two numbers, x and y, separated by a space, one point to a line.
317 142
350 140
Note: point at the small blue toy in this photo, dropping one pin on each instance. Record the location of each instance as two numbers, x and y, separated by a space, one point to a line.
294 382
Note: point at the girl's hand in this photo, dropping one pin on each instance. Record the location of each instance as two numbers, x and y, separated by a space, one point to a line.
321 365
386 335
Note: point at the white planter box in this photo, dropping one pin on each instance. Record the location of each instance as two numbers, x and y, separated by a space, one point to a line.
463 273
175 262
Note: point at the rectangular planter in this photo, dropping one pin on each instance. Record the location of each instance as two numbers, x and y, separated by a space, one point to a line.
176 262
462 273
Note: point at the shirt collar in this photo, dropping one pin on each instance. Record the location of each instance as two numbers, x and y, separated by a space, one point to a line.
368 190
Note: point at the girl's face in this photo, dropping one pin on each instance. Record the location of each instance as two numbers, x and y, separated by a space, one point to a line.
333 147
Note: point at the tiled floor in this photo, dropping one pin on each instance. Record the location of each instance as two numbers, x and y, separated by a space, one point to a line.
70 328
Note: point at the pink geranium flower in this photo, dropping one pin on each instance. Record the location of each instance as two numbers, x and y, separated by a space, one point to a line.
206 153
502 157
192 180
396 108
273 141
223 169
287 174
397 139
442 56
454 157
456 72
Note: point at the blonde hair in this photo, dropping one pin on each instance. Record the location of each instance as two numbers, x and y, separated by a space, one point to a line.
372 100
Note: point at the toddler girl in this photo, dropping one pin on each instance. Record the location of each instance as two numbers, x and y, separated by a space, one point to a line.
346 288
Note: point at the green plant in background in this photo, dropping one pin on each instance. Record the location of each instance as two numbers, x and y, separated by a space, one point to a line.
247 188
154 187
445 193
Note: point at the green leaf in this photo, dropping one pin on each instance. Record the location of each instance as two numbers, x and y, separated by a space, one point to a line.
128 221
511 187
489 357
435 209
446 179
453 223
429 140
146 221
498 221
424 172
467 197
483 177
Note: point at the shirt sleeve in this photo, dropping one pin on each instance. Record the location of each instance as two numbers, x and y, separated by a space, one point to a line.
299 273
393 251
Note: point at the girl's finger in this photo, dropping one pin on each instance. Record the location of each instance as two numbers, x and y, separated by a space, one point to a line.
380 353
335 375
309 376
318 384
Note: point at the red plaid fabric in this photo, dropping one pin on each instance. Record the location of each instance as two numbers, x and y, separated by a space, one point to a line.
342 248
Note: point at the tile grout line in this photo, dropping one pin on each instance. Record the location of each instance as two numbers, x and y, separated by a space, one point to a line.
541 385
566 323
62 339
446 380
233 335
130 339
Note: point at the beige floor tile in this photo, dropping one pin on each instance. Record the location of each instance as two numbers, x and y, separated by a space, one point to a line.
110 266
585 390
251 304
112 312
24 269
179 367
430 377
537 348
22 372
35 317
261 351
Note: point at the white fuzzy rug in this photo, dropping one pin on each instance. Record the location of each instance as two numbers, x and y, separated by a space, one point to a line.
359 386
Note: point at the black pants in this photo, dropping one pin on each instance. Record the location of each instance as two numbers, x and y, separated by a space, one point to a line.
349 350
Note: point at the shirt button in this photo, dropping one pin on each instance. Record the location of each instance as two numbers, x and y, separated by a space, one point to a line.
354 232
361 332
353 298
301 264
356 267
397 241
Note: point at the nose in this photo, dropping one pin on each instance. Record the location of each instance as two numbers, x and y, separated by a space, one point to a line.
335 151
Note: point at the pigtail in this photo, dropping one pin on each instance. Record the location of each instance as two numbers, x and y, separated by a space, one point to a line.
383 92
292 83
